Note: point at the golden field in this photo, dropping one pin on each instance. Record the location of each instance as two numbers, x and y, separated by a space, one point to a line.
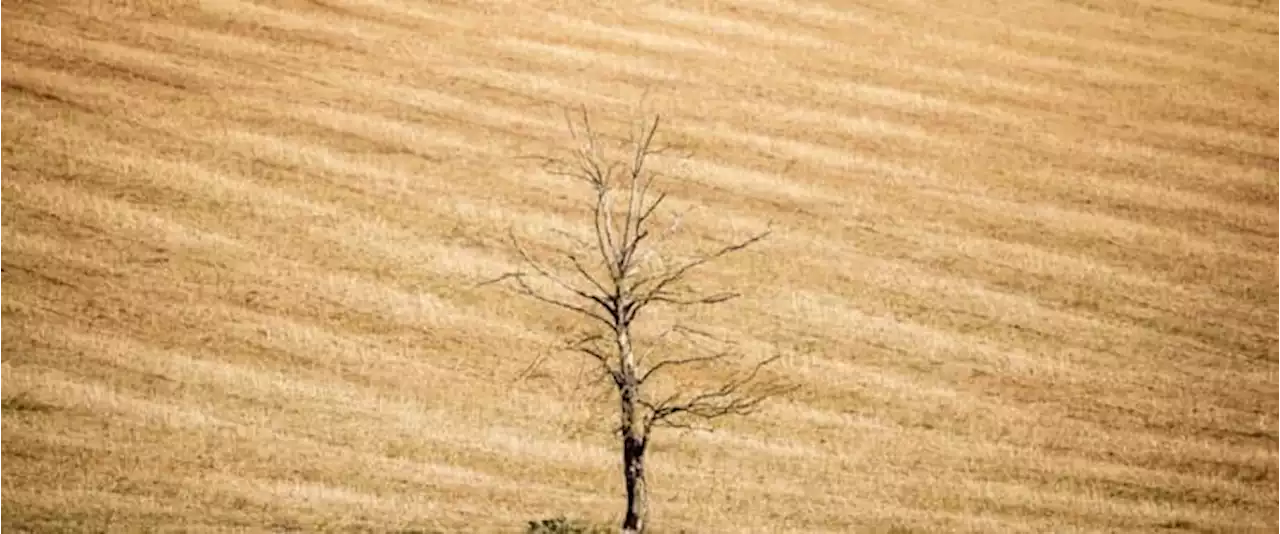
1024 263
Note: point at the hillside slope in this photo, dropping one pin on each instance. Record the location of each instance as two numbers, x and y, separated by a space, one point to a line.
1024 267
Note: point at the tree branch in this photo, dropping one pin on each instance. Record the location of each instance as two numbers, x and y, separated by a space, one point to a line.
658 291
583 345
583 272
728 399
524 287
683 361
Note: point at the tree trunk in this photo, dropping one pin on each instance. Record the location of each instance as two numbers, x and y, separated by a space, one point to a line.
634 439
633 449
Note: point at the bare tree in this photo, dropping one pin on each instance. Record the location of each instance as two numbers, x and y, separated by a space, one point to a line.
620 276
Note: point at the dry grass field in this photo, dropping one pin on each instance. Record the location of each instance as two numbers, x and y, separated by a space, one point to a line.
1024 262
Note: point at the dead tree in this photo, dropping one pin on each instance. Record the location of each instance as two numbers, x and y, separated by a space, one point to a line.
621 277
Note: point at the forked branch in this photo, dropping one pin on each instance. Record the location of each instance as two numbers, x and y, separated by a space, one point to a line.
741 396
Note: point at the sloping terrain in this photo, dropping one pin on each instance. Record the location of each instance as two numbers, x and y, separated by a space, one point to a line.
1024 262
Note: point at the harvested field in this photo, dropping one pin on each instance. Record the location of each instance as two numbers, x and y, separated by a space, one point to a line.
1025 263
